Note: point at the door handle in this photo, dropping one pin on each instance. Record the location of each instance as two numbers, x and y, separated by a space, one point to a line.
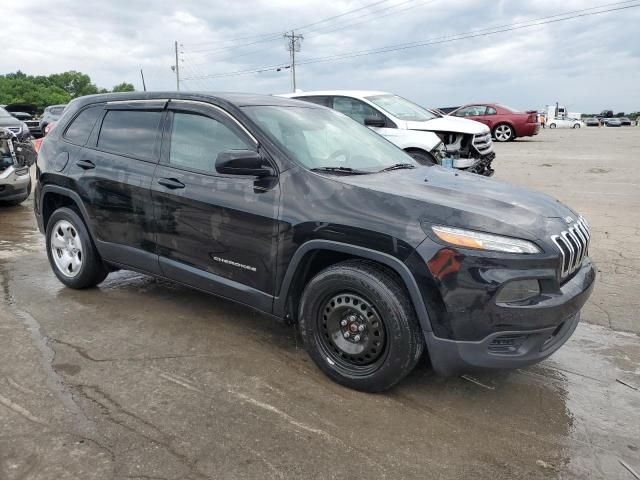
86 164
172 183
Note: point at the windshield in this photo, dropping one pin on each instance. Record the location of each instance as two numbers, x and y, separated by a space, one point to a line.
4 113
56 110
323 138
401 108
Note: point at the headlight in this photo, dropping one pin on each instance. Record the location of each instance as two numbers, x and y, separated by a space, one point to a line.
439 151
483 241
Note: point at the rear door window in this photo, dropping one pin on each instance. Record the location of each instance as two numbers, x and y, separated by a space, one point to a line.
131 132
80 129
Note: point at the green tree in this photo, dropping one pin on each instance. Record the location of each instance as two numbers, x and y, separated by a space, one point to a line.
124 87
57 88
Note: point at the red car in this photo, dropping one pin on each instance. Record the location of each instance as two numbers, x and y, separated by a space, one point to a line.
506 124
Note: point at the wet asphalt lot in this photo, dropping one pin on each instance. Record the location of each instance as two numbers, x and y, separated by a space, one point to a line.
144 379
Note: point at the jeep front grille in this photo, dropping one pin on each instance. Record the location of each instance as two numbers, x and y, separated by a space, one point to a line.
15 129
483 143
573 245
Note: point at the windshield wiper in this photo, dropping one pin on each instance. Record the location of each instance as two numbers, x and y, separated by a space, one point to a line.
398 166
348 170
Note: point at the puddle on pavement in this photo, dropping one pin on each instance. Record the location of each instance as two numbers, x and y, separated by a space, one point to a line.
567 417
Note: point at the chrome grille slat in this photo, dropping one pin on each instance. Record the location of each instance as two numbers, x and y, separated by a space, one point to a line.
573 245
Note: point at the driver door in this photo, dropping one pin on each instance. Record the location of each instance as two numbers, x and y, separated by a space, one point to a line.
216 232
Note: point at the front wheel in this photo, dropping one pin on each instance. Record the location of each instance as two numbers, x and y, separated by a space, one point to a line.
503 133
577 125
552 125
359 326
72 255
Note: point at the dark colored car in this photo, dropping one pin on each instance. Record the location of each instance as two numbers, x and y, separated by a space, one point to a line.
625 122
26 113
592 122
506 123
299 212
15 126
612 122
51 114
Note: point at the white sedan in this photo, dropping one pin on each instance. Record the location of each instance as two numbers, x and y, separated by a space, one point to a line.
565 123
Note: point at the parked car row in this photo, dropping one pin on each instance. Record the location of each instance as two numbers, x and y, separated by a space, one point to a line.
27 115
608 122
302 213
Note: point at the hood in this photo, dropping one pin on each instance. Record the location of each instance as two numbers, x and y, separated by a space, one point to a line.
470 201
450 124
10 122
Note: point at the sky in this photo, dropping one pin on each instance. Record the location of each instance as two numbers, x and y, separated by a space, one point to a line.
586 64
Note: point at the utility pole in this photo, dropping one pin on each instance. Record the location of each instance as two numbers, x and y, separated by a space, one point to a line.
144 87
177 67
293 44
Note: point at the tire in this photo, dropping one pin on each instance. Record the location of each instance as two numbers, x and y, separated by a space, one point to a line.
72 254
503 133
385 341
577 125
13 203
552 125
422 157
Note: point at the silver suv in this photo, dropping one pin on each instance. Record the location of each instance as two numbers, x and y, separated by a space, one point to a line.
15 159
51 114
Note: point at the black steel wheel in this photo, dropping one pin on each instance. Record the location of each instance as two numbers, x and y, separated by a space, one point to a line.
359 326
351 332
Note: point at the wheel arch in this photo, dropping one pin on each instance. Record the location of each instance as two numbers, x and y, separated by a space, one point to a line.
315 255
53 197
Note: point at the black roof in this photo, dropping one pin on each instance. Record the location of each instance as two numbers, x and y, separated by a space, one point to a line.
236 99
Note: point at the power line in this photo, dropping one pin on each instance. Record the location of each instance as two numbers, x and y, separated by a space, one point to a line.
447 38
348 22
467 35
229 53
277 35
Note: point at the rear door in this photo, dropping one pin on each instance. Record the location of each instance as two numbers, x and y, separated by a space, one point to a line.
118 164
216 232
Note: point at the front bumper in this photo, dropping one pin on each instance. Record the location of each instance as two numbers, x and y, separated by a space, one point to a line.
501 350
470 329
14 184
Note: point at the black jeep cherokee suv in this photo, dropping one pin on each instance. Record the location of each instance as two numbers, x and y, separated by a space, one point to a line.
297 211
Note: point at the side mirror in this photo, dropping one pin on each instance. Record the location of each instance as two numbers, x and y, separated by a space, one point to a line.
374 122
242 162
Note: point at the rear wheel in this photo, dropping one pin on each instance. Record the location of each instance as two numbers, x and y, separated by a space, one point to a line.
503 133
552 125
359 326
72 255
576 125
422 157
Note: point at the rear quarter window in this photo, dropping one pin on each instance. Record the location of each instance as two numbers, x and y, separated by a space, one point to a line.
80 128
131 132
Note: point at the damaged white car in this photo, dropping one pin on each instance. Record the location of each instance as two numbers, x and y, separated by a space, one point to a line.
427 136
